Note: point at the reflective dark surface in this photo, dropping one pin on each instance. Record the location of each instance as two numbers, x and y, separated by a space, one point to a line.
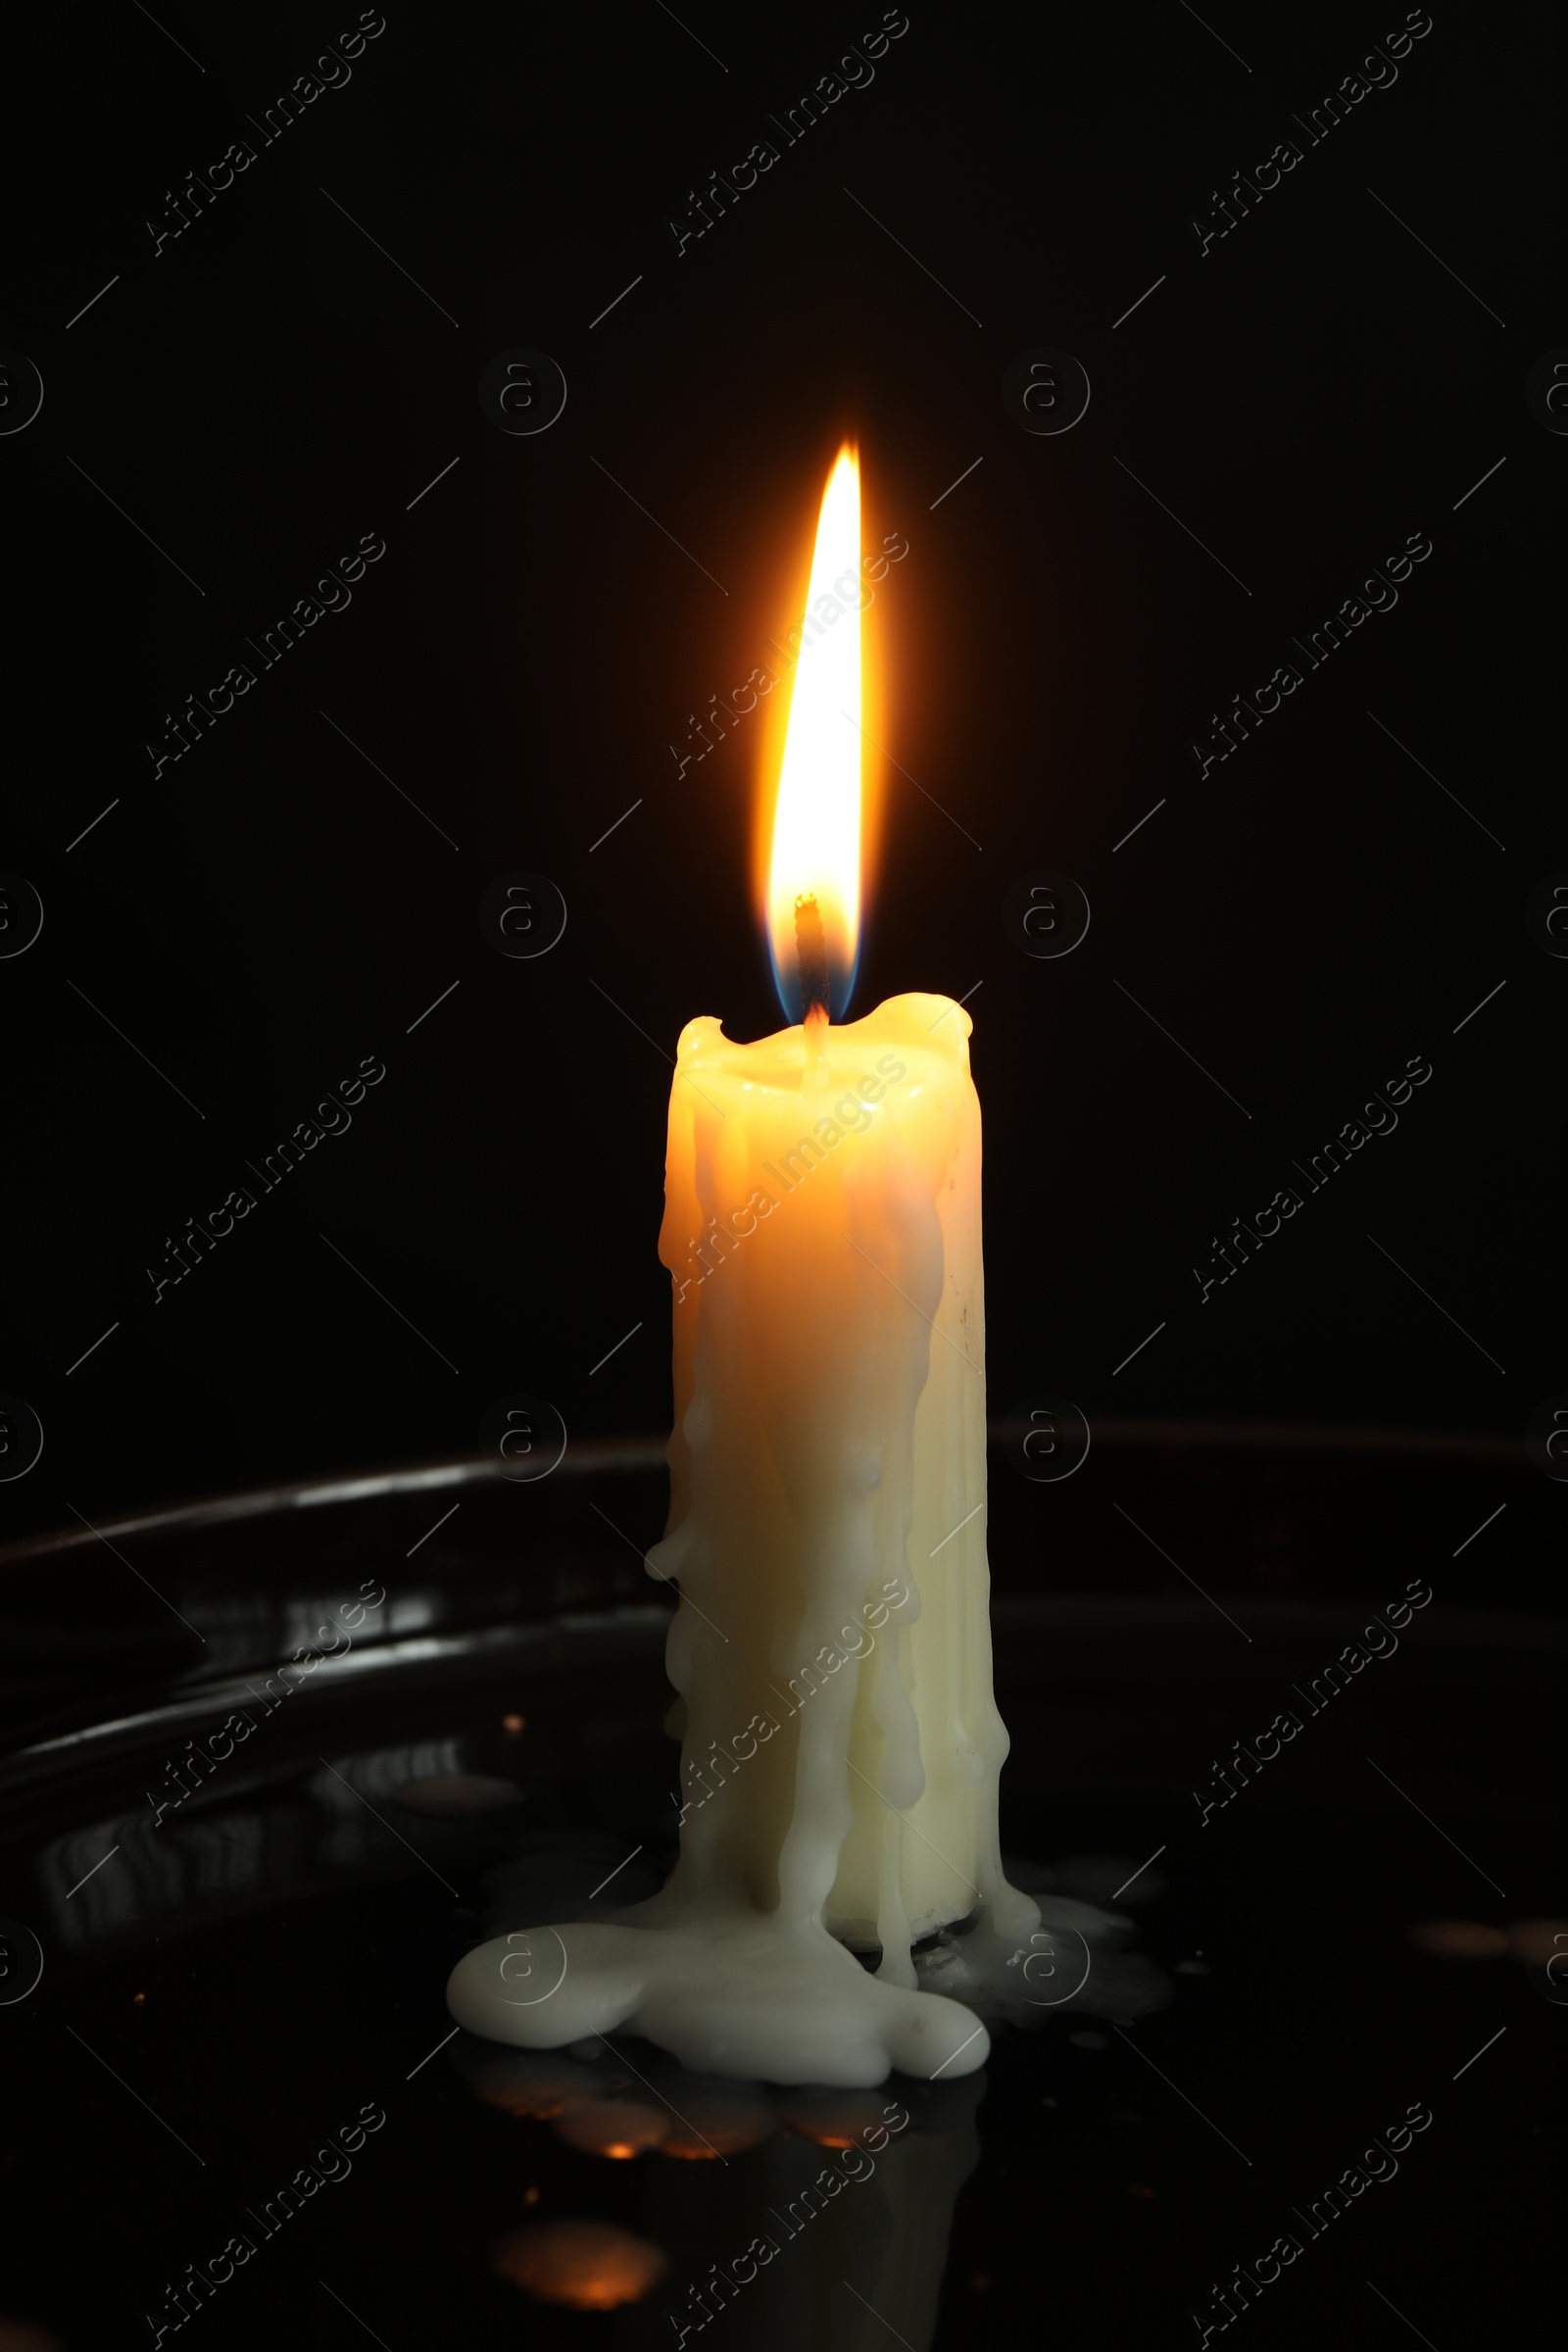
238 1981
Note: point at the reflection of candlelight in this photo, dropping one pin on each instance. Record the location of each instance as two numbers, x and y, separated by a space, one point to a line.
1538 1942
619 2127
834 2118
525 2084
591 2266
1458 1940
841 2244
717 2124
449 1796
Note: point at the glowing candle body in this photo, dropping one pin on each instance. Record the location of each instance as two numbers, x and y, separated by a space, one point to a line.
841 1743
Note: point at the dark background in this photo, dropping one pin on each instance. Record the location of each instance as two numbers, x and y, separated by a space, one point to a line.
1310 392
1267 423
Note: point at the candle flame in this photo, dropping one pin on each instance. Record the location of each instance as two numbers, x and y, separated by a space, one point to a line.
815 850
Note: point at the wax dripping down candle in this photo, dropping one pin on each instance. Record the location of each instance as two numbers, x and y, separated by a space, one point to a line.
840 1741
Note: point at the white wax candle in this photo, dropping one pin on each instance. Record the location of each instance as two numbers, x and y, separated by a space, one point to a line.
828 1472
841 1744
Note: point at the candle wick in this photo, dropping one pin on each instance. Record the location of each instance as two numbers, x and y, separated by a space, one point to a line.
811 950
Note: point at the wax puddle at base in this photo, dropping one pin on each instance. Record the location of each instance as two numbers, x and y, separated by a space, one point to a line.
1075 1960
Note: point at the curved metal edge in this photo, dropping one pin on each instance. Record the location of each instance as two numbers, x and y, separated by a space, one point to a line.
643 1452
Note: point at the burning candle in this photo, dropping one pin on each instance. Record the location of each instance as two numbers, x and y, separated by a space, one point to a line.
840 1743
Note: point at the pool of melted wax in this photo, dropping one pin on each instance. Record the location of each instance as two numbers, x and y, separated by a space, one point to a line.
1077 1958
749 1994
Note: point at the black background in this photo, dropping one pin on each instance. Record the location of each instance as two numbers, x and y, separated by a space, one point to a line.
269 386
224 417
